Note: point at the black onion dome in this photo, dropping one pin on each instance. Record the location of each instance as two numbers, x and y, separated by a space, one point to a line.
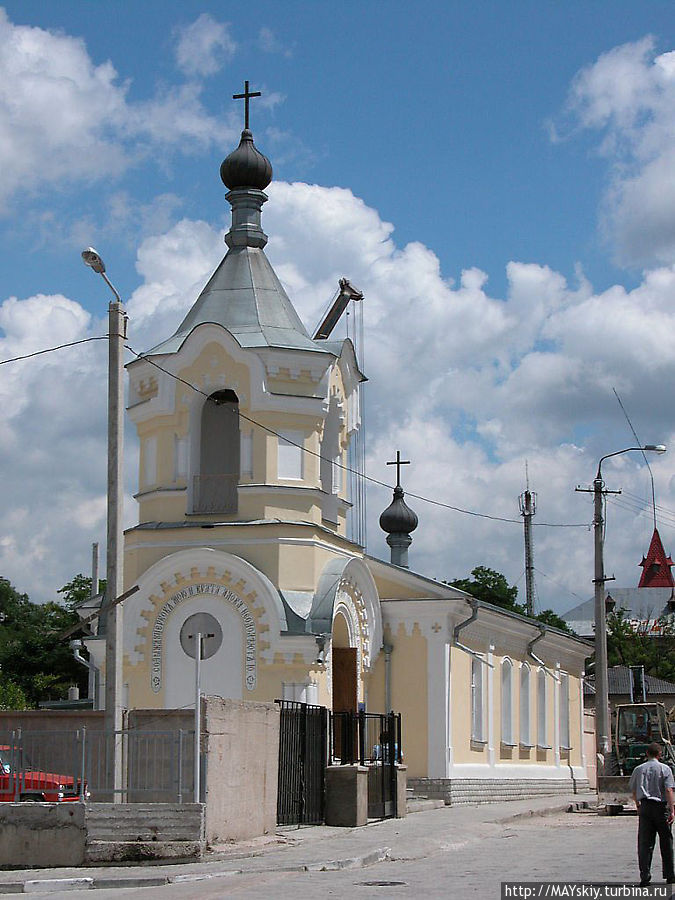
246 167
398 518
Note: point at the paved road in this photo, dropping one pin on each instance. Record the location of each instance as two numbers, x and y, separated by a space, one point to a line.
465 863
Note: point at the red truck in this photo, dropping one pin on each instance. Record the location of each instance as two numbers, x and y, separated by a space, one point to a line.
23 782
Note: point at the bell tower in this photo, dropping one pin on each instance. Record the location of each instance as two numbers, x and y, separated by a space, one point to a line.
244 420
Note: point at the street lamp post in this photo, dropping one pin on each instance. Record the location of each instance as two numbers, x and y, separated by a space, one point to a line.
602 722
114 556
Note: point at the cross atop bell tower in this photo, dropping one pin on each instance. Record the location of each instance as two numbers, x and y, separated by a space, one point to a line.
246 96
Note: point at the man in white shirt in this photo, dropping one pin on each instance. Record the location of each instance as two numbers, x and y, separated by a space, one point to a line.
652 785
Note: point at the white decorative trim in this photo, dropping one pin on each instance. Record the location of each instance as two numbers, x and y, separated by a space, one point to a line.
449 753
556 716
198 590
530 771
490 706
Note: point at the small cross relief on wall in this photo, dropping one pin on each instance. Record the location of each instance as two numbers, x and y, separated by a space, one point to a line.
436 627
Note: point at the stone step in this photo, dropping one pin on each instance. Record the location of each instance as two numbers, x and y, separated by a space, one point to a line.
143 851
119 822
420 805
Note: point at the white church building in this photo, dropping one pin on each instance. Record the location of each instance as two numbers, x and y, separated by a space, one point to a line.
245 422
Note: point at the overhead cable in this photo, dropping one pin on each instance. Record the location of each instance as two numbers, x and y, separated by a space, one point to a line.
459 509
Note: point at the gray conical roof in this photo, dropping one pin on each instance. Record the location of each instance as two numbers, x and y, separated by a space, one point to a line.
245 296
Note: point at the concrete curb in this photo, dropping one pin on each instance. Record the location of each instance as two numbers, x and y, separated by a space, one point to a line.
548 811
52 885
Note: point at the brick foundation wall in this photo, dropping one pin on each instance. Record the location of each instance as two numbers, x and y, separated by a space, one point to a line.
455 791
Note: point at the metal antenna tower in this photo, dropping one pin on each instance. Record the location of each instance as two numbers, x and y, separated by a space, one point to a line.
528 507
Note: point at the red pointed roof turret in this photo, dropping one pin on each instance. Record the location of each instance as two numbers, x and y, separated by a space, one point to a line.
656 566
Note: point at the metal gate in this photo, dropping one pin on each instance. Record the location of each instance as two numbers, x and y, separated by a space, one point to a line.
372 740
303 733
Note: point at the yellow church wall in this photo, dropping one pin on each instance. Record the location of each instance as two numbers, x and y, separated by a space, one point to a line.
374 681
409 695
464 750
576 713
389 588
291 556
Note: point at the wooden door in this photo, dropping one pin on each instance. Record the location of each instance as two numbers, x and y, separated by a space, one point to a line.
344 679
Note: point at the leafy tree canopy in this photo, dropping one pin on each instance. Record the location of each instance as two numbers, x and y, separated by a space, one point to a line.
34 664
491 586
78 589
630 646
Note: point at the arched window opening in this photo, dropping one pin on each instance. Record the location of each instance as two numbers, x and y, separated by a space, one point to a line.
507 704
215 487
541 709
477 704
525 705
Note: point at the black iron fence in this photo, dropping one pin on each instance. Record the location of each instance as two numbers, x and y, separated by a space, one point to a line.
303 743
372 740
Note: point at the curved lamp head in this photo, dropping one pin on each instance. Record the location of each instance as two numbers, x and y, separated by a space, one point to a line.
92 259
657 448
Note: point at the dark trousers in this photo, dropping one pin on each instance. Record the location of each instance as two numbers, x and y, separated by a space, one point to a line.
653 820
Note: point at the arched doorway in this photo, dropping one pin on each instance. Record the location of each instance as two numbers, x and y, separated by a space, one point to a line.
345 674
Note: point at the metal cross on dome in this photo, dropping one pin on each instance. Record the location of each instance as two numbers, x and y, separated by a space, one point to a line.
398 462
246 96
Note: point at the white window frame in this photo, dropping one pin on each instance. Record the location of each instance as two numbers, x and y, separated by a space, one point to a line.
246 453
180 457
478 730
293 443
524 693
506 702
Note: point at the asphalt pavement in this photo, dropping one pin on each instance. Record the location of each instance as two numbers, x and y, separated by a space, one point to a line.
305 849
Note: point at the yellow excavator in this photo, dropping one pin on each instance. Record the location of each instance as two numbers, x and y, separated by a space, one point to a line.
636 725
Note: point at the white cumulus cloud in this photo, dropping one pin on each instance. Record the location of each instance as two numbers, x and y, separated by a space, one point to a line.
204 46
65 119
627 96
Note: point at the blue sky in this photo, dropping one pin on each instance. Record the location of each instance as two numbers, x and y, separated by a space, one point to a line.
495 176
438 119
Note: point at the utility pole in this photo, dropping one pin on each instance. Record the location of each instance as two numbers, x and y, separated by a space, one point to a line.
94 570
602 717
114 555
528 506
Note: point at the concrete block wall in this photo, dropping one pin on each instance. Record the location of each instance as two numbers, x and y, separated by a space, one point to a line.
42 834
145 821
456 791
241 742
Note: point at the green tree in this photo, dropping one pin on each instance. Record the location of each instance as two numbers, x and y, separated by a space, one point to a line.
548 617
32 658
78 589
12 696
628 645
491 586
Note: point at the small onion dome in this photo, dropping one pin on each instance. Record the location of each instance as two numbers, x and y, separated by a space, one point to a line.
246 167
398 518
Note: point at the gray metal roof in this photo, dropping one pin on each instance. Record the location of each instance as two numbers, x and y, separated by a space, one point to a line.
641 604
619 683
245 296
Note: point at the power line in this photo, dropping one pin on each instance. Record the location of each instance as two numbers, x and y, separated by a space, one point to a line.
466 512
550 578
102 337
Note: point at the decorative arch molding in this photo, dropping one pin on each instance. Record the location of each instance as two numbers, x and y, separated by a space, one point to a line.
347 587
210 573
